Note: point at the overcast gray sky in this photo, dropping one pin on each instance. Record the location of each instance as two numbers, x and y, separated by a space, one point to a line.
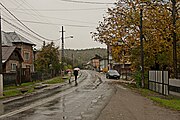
46 17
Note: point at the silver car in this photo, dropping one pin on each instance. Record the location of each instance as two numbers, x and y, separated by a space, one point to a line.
113 74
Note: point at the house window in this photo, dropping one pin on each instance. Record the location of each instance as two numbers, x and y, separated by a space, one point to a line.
26 55
13 66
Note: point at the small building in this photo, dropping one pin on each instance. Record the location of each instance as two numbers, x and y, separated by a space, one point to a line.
24 45
95 61
104 64
11 59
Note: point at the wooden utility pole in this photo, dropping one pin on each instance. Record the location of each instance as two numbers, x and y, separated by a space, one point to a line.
142 52
72 60
108 56
62 54
174 38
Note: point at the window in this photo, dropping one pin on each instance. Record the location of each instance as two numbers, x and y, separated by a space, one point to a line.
26 55
13 66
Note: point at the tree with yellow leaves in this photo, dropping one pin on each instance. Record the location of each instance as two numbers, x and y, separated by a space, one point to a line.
120 29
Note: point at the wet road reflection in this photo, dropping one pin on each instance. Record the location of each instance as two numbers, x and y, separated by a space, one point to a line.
82 102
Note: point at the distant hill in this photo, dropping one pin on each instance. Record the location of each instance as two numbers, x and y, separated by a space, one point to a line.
83 56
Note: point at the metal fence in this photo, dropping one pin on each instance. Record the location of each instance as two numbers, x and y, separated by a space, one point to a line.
9 78
41 76
159 82
13 79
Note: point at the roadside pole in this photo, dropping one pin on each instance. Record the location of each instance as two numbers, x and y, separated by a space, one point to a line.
142 52
1 85
62 52
1 75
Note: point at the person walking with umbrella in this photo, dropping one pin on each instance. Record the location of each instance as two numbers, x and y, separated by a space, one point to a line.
76 74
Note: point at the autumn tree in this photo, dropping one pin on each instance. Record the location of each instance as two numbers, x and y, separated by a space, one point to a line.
48 58
120 30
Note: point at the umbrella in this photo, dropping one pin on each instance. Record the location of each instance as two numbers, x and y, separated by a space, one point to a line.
76 69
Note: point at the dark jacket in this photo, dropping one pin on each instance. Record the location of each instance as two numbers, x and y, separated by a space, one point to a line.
75 72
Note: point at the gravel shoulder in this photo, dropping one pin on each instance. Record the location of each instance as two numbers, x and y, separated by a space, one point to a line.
128 105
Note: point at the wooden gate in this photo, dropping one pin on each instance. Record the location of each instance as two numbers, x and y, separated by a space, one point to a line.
25 75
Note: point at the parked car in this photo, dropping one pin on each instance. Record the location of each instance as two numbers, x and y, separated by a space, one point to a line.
113 74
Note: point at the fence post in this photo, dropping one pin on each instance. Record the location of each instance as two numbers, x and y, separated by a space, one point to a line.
155 80
163 83
148 79
168 82
1 85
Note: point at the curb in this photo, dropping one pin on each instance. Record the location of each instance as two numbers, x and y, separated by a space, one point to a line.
40 91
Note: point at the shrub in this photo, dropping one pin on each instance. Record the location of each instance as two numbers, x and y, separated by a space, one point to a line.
137 77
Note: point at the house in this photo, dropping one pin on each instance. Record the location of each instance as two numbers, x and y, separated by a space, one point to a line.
124 64
11 59
24 45
104 64
95 61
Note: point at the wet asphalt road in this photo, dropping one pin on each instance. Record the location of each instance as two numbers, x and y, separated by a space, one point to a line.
82 102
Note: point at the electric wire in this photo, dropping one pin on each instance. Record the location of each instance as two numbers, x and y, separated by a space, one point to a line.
25 33
8 16
24 24
79 21
59 10
38 22
15 2
20 29
86 2
35 11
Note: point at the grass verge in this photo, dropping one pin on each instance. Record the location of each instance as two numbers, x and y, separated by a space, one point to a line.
29 87
55 80
170 101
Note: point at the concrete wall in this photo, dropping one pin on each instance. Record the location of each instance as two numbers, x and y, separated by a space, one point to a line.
174 86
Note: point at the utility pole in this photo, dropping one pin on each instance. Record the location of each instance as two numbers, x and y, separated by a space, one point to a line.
1 75
174 37
108 56
142 52
72 60
62 54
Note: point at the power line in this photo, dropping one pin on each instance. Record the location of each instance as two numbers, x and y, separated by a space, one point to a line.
38 22
21 29
25 33
8 16
78 1
16 2
20 4
52 10
24 24
79 21
35 11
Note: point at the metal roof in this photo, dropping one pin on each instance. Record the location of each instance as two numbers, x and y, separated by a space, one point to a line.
7 51
8 38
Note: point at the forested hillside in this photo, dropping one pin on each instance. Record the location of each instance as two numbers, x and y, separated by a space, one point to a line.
83 56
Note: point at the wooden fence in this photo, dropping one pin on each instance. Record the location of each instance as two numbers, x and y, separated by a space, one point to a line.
26 76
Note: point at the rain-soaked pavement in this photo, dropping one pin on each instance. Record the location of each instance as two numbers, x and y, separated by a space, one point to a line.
82 102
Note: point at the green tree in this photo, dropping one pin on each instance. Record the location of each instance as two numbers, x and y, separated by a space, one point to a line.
48 58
